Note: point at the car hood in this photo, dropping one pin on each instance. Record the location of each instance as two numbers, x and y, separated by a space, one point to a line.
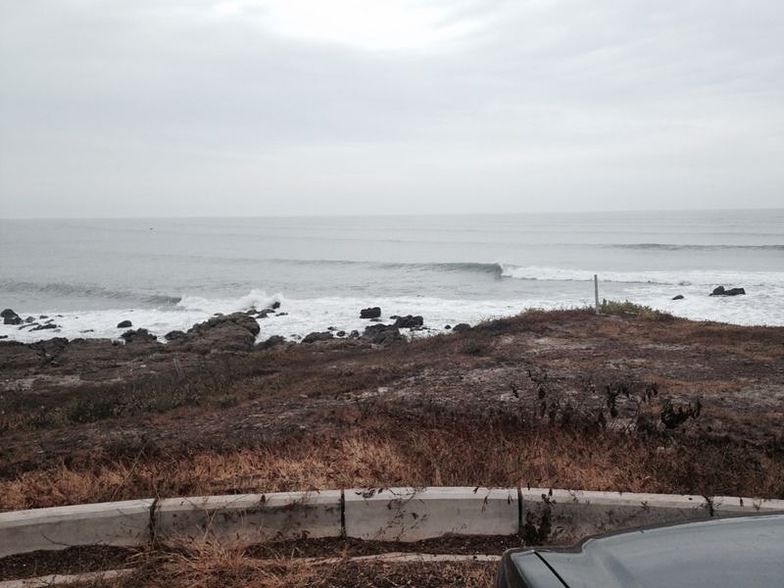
746 551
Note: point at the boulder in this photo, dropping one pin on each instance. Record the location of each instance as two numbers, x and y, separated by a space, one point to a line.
370 313
722 291
232 332
174 335
50 348
678 297
138 336
318 336
45 326
124 325
409 322
10 317
461 328
381 334
273 341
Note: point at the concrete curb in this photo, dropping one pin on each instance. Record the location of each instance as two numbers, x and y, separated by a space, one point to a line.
410 514
249 518
382 514
123 524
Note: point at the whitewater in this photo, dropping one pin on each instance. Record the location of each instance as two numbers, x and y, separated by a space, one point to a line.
88 275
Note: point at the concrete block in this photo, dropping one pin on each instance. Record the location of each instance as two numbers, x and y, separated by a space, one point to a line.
565 516
245 519
408 514
110 523
734 505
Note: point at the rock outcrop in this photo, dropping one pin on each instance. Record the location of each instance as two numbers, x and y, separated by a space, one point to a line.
224 333
10 317
722 291
370 313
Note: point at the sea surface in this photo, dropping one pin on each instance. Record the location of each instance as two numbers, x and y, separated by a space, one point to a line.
165 274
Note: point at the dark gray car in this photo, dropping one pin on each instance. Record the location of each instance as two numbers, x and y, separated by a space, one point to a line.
739 552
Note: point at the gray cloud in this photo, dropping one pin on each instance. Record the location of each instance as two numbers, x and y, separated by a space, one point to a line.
168 108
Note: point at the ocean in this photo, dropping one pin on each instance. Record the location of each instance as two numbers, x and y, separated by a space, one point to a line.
166 274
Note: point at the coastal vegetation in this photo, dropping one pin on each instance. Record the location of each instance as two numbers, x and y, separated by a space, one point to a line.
630 400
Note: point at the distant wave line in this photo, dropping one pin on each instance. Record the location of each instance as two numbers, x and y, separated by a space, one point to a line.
87 291
692 247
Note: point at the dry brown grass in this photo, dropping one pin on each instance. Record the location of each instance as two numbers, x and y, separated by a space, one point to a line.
205 566
383 452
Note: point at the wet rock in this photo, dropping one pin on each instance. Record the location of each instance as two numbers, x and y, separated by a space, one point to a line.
409 322
381 334
232 332
273 341
139 335
678 297
722 291
370 313
318 336
45 326
174 335
124 325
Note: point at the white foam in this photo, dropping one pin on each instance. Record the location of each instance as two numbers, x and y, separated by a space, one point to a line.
297 317
684 277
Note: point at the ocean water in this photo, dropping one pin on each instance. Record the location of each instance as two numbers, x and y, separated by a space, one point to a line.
165 274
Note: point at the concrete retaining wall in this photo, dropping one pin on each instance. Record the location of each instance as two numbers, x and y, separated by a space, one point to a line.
386 514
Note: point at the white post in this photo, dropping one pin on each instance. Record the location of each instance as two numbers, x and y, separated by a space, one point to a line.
596 291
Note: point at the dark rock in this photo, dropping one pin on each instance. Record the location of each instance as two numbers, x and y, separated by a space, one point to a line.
354 334
382 334
233 332
318 336
283 314
409 322
29 320
275 305
265 313
124 325
678 297
8 313
273 341
3 336
139 335
51 348
45 326
174 335
370 313
461 327
447 327
341 333
722 291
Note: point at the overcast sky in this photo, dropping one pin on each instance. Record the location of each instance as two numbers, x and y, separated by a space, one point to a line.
280 107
